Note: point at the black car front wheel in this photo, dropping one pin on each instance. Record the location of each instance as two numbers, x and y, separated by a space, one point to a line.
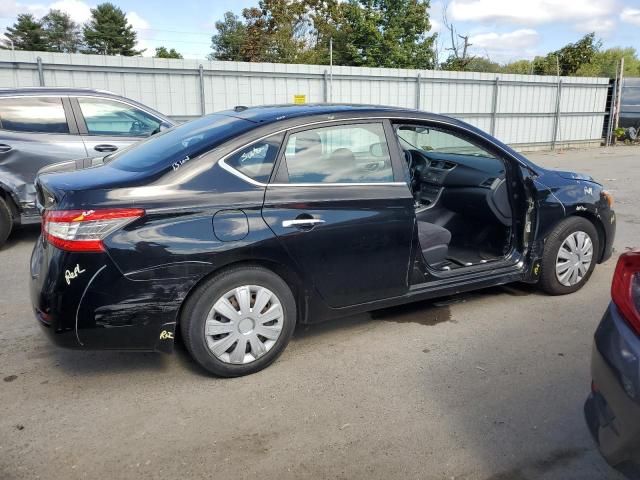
6 221
570 255
239 321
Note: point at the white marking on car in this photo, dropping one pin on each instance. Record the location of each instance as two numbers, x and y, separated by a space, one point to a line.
179 163
70 275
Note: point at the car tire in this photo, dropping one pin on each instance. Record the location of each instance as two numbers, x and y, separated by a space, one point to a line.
6 221
202 317
556 265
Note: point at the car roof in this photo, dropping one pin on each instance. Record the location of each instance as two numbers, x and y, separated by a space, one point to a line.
273 113
72 91
57 90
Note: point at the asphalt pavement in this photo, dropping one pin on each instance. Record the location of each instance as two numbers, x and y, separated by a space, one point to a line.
487 385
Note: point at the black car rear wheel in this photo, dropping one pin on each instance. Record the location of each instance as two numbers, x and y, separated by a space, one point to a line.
239 321
570 255
6 221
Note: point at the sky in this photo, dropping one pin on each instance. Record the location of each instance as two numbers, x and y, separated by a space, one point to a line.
502 30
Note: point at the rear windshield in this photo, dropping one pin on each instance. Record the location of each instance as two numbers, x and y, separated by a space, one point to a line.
179 144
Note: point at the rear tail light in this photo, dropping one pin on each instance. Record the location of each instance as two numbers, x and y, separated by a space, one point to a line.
625 289
83 231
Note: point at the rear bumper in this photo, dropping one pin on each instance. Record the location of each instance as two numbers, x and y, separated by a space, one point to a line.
82 300
612 410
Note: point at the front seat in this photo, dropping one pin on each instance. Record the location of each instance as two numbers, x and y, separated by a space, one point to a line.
434 242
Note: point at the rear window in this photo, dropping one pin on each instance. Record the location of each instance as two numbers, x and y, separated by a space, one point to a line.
180 144
33 114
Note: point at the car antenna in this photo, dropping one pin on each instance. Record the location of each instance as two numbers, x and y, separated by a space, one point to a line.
239 108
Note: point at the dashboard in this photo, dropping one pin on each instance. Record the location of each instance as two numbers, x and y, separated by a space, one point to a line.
461 183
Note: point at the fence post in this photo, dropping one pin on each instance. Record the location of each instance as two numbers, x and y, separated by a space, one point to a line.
202 100
325 85
40 71
418 93
612 111
494 106
556 123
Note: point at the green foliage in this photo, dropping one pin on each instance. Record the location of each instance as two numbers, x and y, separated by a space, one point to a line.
570 58
605 63
382 33
227 44
26 34
162 52
109 33
61 34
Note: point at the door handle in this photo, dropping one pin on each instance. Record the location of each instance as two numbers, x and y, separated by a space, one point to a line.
4 148
302 222
105 148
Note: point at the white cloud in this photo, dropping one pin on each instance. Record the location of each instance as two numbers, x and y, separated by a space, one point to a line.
602 26
79 11
146 40
518 39
436 26
137 22
532 12
631 15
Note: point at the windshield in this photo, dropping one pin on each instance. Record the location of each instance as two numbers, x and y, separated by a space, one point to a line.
179 144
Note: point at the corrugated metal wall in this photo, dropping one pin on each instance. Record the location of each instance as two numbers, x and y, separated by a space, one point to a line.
526 111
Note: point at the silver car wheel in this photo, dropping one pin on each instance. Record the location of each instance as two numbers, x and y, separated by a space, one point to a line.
244 324
574 258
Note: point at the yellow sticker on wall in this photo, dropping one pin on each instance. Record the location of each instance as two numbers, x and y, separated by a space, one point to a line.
299 99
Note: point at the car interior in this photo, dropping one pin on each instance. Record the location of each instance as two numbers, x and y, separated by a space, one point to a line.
462 204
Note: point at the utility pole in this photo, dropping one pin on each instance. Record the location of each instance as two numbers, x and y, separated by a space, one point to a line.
620 82
330 69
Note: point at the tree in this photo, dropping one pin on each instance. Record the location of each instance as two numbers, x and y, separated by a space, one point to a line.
459 59
61 34
109 33
228 43
383 33
569 58
605 63
386 33
276 31
522 67
26 34
162 52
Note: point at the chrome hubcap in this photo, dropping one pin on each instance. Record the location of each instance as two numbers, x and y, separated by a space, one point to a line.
574 259
244 324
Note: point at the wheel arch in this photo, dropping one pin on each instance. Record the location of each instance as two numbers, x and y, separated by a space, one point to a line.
290 277
7 196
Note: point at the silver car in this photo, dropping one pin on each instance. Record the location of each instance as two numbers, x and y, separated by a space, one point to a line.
44 126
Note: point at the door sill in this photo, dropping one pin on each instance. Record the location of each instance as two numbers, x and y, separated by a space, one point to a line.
512 264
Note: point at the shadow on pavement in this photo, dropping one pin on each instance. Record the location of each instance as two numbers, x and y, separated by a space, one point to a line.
26 234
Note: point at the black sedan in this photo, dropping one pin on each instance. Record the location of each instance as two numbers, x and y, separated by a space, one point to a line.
236 226
612 409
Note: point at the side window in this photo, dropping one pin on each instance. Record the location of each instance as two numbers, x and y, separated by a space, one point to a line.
33 114
430 139
355 153
111 118
256 161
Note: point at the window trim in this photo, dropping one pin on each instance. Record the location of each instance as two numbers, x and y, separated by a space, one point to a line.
281 161
68 114
82 123
455 130
393 120
280 136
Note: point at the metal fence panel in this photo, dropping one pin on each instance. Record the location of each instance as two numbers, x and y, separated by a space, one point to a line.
526 111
